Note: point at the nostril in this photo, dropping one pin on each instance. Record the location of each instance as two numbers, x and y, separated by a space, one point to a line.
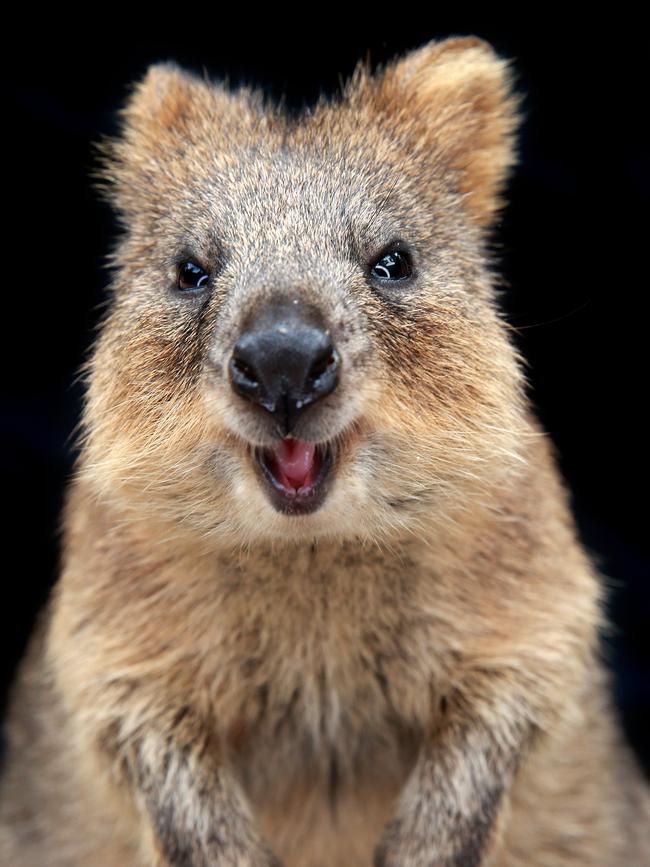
327 363
244 371
244 378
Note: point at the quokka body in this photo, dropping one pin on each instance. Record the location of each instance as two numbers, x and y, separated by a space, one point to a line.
322 600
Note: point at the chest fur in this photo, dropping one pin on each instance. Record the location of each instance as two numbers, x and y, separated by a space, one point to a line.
325 673
303 662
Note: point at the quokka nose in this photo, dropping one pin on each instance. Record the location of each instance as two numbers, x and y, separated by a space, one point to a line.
284 362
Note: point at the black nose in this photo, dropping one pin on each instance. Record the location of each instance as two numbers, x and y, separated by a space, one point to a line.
284 362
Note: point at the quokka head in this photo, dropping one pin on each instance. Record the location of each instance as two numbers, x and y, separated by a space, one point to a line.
302 337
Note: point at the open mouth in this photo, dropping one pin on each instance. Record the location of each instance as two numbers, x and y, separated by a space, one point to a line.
296 474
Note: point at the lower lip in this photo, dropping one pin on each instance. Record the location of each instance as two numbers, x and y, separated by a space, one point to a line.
307 499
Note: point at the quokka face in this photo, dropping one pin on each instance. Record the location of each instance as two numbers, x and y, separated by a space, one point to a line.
303 339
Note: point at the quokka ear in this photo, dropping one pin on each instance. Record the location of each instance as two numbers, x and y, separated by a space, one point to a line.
162 114
454 102
161 99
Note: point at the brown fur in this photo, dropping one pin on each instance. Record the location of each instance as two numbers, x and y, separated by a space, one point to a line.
410 674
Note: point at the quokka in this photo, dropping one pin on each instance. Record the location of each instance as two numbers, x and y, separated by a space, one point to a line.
322 603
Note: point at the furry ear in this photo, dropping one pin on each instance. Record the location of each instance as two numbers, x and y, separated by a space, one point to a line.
161 99
165 110
454 103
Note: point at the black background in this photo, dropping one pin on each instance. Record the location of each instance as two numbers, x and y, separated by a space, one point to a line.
573 244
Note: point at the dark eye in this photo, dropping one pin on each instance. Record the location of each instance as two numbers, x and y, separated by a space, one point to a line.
395 265
191 276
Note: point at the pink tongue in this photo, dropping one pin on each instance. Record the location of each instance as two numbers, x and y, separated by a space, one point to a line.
294 461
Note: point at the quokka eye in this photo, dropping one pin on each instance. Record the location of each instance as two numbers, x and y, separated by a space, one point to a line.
394 265
191 277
